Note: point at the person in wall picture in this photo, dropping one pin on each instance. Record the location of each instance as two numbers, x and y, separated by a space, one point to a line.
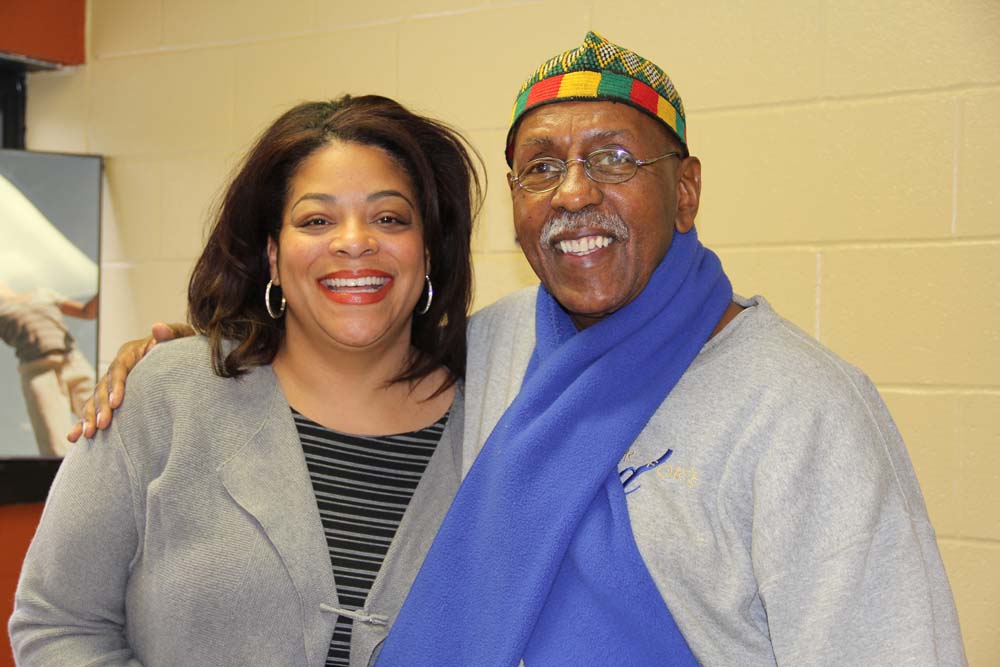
269 489
56 379
657 471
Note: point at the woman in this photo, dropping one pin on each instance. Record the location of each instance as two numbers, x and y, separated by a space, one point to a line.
332 297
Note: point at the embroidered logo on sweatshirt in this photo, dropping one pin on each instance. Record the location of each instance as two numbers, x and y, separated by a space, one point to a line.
671 473
630 474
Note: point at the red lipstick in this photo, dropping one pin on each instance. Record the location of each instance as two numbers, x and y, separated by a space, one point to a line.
358 287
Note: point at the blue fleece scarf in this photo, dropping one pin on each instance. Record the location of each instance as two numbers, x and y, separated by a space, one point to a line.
536 557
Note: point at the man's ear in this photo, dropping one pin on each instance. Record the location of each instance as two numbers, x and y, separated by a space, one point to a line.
688 193
510 181
272 260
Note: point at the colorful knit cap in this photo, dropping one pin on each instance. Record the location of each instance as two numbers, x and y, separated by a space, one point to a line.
601 70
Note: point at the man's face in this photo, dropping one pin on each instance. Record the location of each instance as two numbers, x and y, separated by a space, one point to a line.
595 245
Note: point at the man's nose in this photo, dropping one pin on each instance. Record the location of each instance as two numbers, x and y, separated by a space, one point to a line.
577 190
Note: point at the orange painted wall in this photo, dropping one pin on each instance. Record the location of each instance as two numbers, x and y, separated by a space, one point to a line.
17 524
49 30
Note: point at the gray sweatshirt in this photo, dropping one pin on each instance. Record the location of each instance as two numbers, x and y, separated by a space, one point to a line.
787 527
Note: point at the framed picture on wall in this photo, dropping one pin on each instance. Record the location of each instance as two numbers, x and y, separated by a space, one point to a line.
50 222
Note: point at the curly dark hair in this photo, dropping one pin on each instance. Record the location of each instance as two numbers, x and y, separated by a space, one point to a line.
226 291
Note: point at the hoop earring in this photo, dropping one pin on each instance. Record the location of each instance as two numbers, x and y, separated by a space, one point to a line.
267 302
430 296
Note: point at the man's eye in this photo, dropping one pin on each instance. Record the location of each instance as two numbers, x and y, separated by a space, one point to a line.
543 168
612 159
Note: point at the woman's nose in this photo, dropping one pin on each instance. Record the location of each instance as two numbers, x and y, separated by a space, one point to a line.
354 238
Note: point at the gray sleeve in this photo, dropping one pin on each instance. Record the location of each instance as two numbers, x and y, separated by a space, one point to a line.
501 339
845 557
69 608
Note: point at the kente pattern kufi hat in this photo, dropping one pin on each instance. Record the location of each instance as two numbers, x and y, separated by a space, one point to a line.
601 70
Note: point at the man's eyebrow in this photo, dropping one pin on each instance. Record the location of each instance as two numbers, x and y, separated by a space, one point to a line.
608 135
597 135
540 142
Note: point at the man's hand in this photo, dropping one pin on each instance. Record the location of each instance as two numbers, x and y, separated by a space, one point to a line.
111 388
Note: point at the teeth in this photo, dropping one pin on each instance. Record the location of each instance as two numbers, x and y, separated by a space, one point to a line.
584 246
367 281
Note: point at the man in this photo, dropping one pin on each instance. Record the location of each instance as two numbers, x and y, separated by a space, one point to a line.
56 379
664 473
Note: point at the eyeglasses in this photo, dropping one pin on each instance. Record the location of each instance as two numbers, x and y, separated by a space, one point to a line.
607 165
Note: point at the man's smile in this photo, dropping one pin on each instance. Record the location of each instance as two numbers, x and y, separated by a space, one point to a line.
584 245
583 233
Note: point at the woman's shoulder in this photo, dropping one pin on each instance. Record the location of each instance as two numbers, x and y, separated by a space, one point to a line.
175 402
191 350
182 370
171 367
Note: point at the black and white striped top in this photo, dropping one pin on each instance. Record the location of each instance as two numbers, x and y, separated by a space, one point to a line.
363 485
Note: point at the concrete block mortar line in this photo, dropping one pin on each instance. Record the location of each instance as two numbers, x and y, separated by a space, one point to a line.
939 389
445 13
248 41
877 244
771 106
231 43
956 153
750 248
823 37
231 77
398 70
979 542
88 129
806 103
88 26
819 295
505 4
119 264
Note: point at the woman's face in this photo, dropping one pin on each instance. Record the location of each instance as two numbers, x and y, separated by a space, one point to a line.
350 255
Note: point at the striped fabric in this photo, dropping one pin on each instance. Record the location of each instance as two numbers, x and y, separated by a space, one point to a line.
363 485
601 85
601 70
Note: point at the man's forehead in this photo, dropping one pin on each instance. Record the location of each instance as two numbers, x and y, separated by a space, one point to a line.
597 121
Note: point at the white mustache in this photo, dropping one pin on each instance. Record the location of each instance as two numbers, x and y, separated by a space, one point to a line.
605 223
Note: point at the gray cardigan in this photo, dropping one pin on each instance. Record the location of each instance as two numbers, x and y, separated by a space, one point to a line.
188 533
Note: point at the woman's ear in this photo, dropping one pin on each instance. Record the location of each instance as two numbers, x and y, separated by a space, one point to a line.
688 193
272 260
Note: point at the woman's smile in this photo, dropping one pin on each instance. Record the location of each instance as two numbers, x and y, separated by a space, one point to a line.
356 287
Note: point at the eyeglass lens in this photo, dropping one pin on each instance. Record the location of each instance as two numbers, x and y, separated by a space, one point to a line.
608 165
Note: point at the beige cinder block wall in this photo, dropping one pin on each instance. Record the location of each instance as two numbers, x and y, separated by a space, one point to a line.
850 154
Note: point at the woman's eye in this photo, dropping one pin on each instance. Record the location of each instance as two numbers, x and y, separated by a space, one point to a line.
390 220
315 222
